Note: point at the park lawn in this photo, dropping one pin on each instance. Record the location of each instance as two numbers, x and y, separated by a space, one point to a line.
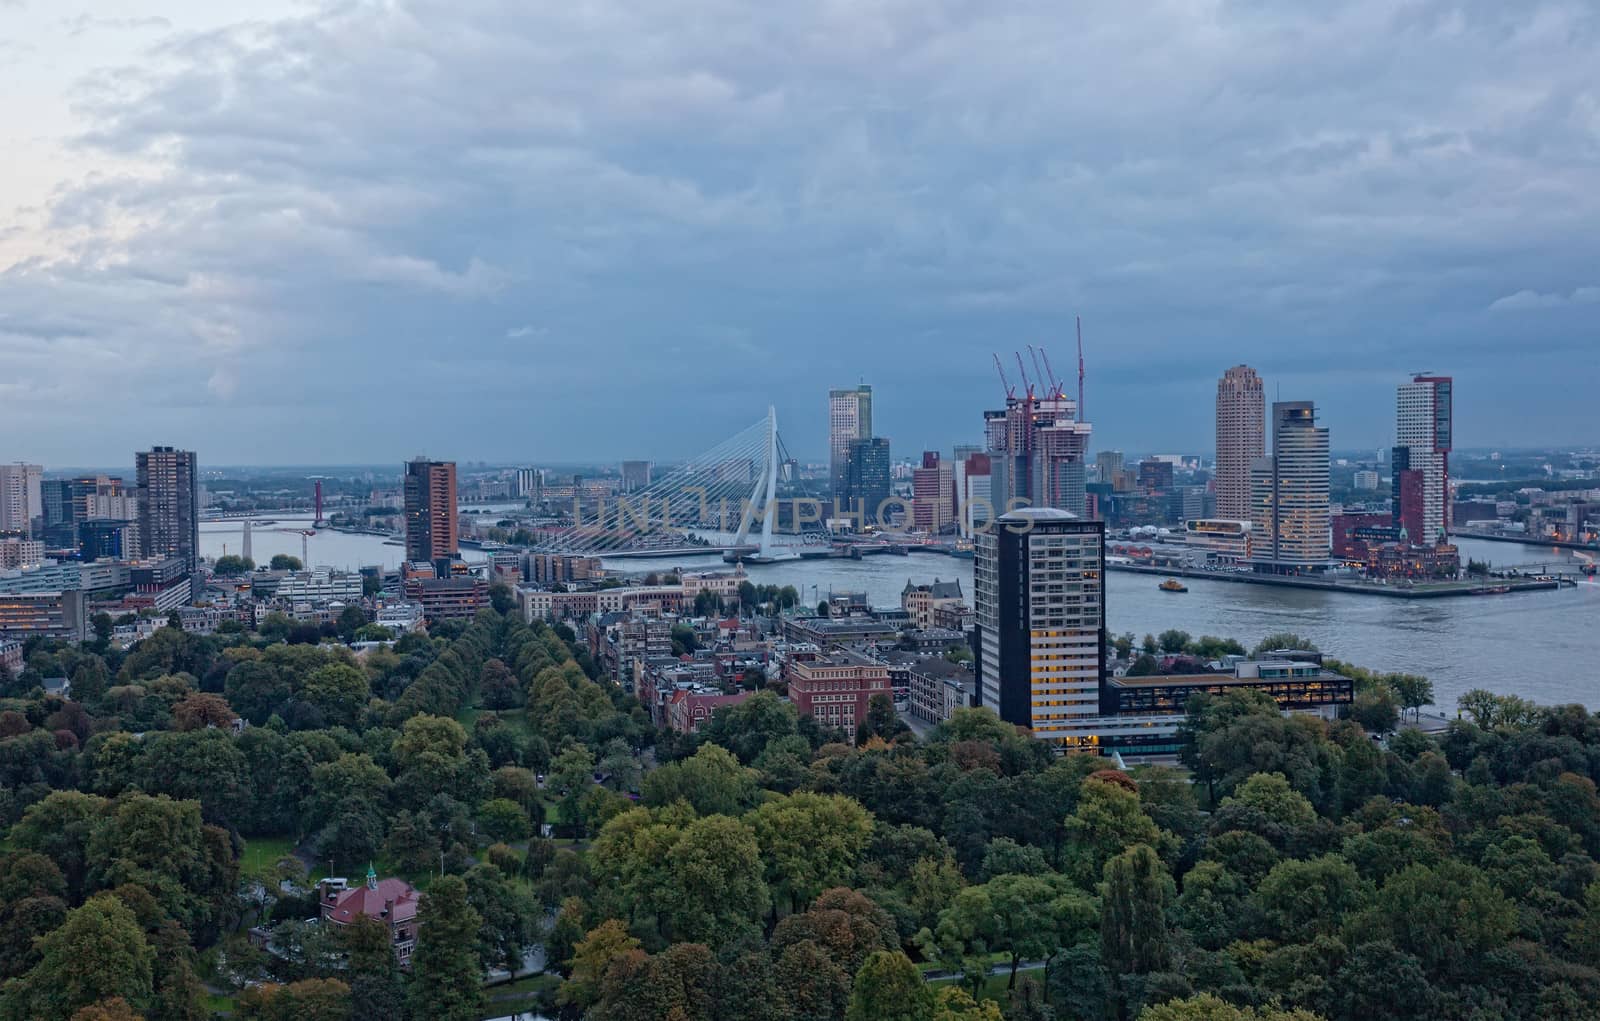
261 853
218 1004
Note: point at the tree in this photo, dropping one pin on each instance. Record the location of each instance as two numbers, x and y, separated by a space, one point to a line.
1173 641
375 990
571 776
338 690
510 916
1207 1007
501 598
98 953
1134 899
711 781
284 562
446 975
605 943
889 988
1446 916
1283 640
1300 900
1108 819
114 1009
231 566
199 710
504 820
1023 917
1413 691
810 842
312 999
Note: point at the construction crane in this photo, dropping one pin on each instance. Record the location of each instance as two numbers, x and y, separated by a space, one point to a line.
1080 368
1027 385
1011 391
1055 380
1039 373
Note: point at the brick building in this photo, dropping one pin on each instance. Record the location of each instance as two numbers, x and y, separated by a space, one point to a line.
835 687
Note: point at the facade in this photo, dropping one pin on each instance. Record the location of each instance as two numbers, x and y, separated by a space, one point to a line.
689 709
1039 592
635 476
446 598
392 902
1420 460
114 538
975 497
400 617
849 420
60 614
556 568
530 482
11 656
1368 480
836 687
1222 540
1295 686
320 586
1241 439
432 529
933 494
21 497
16 553
1155 476
866 485
1290 492
169 511
922 601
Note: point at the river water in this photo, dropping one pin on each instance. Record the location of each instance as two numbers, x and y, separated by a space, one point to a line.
1542 645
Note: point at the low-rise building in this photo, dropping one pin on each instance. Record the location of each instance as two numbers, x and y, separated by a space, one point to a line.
11 656
921 601
1223 541
320 585
836 687
390 902
61 614
460 596
400 617
688 709
18 552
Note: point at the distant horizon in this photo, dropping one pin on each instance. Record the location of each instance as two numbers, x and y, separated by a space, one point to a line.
1350 453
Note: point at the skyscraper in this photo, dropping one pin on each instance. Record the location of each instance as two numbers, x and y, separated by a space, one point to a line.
1289 492
21 498
866 480
1420 462
1037 452
933 493
1241 439
169 508
430 496
1038 590
849 419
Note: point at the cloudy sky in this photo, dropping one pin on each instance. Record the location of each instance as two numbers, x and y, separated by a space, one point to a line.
329 232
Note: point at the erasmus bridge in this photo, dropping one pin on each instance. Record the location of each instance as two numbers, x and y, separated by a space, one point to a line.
729 490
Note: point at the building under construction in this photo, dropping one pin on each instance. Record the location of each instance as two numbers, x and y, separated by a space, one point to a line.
1038 443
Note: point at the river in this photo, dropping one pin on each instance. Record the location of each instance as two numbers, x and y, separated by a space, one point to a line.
1542 645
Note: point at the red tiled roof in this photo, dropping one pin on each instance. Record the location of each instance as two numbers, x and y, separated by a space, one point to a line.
362 901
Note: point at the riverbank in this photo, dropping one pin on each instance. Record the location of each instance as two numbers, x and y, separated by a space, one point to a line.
1525 540
1422 590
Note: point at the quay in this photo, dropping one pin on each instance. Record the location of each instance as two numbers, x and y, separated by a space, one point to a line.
1424 590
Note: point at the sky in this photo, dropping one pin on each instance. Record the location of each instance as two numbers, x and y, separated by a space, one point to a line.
337 232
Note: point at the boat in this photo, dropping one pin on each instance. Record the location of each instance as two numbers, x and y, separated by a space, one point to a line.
1173 585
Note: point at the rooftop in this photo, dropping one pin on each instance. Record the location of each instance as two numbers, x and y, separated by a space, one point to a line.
1038 514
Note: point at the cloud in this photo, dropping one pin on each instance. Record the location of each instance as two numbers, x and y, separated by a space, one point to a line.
1527 300
781 196
77 26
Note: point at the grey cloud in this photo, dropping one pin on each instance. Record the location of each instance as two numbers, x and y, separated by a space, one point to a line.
789 194
86 22
1526 300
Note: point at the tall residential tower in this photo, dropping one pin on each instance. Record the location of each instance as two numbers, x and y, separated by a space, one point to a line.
1290 493
1039 599
1241 439
169 508
430 495
21 498
1420 461
849 420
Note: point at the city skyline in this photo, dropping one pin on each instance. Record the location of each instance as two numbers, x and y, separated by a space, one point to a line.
942 190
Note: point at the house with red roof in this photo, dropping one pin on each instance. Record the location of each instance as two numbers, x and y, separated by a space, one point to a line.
391 902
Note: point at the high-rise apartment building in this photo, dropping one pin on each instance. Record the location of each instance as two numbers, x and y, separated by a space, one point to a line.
1241 439
430 507
933 493
866 484
635 476
1107 465
1420 461
1039 599
975 501
169 506
1290 492
21 496
849 420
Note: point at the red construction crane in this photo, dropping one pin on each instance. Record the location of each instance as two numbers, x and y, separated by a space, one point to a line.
1011 391
1080 368
1027 385
1055 380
